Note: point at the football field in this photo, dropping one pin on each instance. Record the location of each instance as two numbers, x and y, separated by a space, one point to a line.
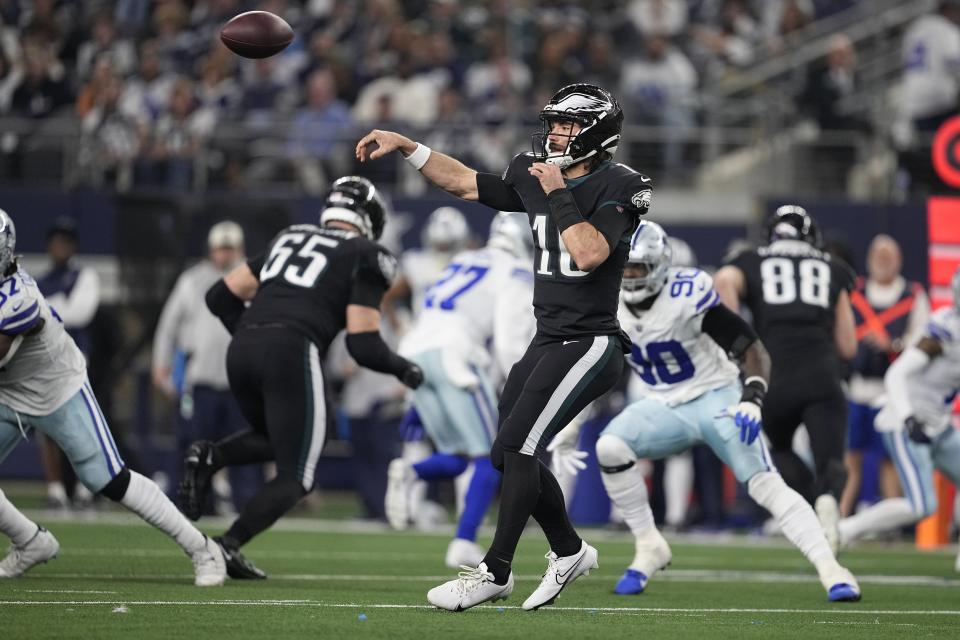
117 578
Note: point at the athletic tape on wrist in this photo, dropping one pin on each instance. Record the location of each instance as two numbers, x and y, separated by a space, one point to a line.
419 156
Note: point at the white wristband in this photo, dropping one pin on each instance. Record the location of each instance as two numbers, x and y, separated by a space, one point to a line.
762 382
419 157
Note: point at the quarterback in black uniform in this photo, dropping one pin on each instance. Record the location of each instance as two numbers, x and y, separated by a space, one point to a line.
799 299
582 209
312 282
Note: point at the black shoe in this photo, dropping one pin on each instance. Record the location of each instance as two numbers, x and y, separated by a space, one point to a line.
194 488
238 567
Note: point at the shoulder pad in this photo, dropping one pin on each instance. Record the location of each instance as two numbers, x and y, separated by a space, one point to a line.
19 304
518 166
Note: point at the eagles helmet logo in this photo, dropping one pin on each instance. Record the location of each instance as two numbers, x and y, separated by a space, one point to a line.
641 199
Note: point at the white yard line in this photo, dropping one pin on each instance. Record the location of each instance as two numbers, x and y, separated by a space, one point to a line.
842 610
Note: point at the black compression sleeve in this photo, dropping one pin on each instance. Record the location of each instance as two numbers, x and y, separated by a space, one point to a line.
728 330
370 351
564 209
497 194
225 305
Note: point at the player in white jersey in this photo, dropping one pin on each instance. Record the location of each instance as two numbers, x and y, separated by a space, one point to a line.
916 425
44 386
482 302
681 336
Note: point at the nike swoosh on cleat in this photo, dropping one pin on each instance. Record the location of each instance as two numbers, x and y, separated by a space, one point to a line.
567 572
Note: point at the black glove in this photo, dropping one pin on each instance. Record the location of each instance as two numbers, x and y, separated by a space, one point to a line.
412 377
915 431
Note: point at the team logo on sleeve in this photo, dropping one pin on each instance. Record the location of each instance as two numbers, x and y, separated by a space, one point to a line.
388 265
641 199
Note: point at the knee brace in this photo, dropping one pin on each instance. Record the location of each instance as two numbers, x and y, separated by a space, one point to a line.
614 455
764 488
117 488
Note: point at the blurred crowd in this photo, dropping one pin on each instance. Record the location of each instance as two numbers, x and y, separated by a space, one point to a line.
150 81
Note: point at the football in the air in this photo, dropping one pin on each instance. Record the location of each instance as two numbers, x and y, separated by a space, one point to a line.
256 34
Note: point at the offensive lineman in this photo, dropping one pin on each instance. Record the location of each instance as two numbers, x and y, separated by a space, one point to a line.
692 395
483 298
916 425
801 310
44 386
582 209
312 282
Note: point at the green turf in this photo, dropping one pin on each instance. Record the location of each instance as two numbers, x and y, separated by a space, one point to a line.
322 581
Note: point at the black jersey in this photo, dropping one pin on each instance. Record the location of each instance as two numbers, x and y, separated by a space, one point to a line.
569 302
310 274
792 291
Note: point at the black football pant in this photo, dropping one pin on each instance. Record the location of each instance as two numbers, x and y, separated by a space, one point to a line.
553 382
275 374
812 397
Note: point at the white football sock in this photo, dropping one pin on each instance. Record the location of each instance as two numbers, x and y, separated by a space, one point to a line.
56 491
795 516
146 500
883 516
677 484
18 527
414 452
627 489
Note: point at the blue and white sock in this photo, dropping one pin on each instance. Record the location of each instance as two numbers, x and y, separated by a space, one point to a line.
480 493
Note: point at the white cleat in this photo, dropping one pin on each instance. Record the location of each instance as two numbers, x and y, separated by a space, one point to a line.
462 553
828 512
41 548
473 586
561 572
209 565
400 480
652 554
840 584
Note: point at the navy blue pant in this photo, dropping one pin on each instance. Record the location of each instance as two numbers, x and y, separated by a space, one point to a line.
216 415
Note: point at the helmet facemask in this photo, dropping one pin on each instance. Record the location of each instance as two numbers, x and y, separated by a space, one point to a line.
598 115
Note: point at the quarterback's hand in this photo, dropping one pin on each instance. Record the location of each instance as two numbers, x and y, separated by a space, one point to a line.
386 142
549 176
412 377
566 459
915 431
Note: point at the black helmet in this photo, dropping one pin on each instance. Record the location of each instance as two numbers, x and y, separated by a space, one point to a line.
792 222
355 200
595 110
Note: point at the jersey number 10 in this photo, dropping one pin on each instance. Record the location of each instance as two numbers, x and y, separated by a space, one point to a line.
781 282
303 251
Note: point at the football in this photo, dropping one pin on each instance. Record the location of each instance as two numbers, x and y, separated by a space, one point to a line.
256 34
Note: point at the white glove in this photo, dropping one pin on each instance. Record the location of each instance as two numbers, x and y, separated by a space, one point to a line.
566 459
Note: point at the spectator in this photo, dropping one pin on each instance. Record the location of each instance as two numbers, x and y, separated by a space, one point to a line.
830 84
43 89
658 17
318 130
890 313
174 41
111 137
660 87
411 96
495 84
217 90
73 291
601 64
208 410
177 138
931 69
261 94
731 42
146 94
105 43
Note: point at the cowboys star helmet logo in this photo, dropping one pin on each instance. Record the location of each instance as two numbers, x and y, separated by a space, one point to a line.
641 199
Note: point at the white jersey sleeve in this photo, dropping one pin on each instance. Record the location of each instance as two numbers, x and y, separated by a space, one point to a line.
514 324
48 368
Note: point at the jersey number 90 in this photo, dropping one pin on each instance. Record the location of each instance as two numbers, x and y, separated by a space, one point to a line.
782 281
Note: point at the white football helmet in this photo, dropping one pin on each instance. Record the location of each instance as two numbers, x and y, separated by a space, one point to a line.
8 243
446 230
683 255
648 247
511 232
955 287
